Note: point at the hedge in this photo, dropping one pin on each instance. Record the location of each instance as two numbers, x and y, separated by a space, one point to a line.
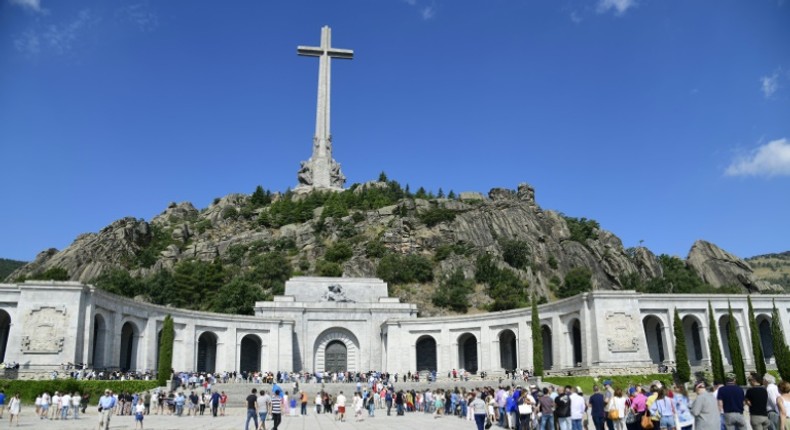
621 381
28 390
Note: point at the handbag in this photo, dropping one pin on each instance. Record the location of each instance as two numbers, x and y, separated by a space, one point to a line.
614 414
630 417
488 423
647 423
525 409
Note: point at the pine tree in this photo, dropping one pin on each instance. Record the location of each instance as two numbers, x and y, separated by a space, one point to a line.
166 351
681 353
537 340
781 352
757 346
736 354
716 362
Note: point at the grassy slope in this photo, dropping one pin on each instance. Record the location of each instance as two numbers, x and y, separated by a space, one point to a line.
773 268
8 266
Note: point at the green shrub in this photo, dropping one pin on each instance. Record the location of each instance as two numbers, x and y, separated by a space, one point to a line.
582 228
51 274
375 249
553 262
28 390
453 292
442 252
230 212
328 268
578 280
339 252
437 215
515 253
397 269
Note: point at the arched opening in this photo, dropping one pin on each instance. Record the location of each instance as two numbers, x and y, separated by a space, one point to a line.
426 354
467 352
207 352
548 353
350 354
129 341
99 341
766 341
655 338
576 343
724 335
5 328
508 352
336 357
250 360
692 333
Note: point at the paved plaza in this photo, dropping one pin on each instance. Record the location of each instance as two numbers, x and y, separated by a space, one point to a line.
235 418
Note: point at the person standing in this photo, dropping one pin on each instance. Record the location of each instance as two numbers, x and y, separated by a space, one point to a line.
14 407
681 400
577 408
597 405
223 401
252 409
107 403
562 408
65 405
214 403
774 401
303 400
731 400
2 403
757 399
664 409
478 407
546 405
76 403
705 409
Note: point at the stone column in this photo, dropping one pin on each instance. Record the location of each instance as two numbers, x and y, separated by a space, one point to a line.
524 345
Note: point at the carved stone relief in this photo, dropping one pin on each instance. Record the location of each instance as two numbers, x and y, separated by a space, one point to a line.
44 330
620 328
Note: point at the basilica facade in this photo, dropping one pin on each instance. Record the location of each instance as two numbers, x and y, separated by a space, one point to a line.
351 324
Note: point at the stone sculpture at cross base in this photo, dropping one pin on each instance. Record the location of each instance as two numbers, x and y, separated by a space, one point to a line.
321 171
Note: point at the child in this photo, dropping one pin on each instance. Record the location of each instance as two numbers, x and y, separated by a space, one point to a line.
139 412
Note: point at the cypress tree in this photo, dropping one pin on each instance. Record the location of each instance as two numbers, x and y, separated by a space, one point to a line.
735 349
166 351
537 340
716 362
781 352
757 346
681 353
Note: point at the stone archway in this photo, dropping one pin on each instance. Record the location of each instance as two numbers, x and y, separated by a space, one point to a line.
692 331
576 342
654 336
207 352
426 354
467 352
766 340
5 328
250 360
548 352
98 358
333 336
508 350
130 336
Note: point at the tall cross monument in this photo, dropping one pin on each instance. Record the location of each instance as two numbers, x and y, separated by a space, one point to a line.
321 171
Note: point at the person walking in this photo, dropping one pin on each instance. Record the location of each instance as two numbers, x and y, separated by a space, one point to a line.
252 409
340 402
139 413
277 409
264 405
14 407
597 405
107 404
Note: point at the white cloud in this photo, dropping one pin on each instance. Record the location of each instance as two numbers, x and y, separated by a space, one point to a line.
770 84
428 12
139 14
619 6
771 159
576 17
59 38
34 5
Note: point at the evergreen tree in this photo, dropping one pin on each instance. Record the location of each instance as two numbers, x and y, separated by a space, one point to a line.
537 340
735 349
440 194
383 177
681 353
260 197
757 347
716 361
781 352
166 351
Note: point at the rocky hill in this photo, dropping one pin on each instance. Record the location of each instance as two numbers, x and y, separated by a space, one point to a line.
447 254
8 266
772 268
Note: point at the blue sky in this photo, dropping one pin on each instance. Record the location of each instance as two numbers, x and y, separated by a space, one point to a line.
667 121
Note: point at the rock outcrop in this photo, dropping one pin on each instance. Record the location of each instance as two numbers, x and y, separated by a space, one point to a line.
719 268
230 230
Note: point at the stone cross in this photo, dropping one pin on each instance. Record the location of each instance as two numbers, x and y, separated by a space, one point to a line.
321 171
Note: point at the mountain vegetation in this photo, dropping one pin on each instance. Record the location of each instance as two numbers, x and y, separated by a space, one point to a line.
8 266
449 253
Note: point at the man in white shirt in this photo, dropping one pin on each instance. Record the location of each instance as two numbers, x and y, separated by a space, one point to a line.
264 406
55 414
341 407
65 404
577 409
